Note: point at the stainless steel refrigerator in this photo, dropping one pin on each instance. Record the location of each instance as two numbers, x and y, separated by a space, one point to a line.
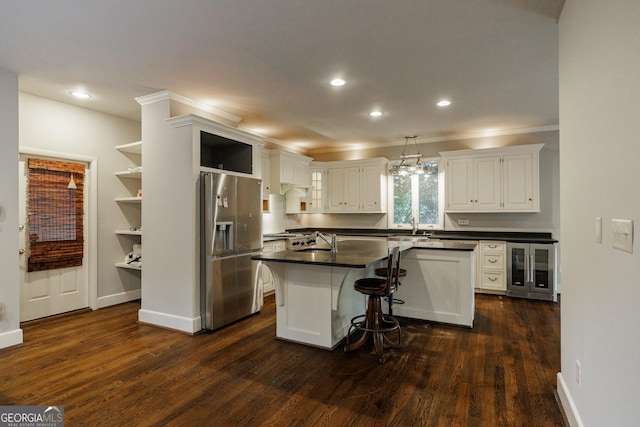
230 234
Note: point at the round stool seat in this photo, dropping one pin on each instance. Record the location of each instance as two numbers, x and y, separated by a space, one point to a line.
382 272
372 286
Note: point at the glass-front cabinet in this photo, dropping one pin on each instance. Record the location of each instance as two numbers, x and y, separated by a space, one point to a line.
531 271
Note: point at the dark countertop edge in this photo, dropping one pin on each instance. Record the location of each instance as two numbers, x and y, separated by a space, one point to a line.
328 264
283 258
463 248
508 236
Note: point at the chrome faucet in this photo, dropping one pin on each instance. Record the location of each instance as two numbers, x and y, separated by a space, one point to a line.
333 242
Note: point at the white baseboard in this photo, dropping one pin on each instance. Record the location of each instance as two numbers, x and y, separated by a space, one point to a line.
566 401
170 321
11 338
120 298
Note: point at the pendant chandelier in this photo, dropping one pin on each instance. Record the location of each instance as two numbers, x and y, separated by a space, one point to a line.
410 164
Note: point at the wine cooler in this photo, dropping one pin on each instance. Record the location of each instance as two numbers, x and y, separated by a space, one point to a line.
531 271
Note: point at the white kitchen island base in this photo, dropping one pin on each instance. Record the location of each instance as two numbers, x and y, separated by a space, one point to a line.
316 300
438 286
315 303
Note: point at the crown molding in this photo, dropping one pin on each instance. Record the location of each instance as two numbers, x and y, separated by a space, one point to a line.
368 146
164 95
215 127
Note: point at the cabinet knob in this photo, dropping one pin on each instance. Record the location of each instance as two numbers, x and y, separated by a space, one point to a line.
530 199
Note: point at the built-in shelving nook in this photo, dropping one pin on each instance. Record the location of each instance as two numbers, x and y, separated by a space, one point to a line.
131 206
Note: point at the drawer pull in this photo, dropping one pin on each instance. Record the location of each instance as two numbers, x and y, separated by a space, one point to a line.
493 279
493 261
493 246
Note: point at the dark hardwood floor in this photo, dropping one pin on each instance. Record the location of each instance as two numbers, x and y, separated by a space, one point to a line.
106 369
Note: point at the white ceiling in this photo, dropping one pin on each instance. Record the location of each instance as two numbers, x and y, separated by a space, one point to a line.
270 61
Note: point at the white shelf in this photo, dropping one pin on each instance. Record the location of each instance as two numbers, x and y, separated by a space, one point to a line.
129 174
129 232
132 147
128 266
129 199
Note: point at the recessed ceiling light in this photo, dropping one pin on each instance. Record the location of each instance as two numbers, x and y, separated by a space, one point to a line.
375 113
443 103
79 94
337 82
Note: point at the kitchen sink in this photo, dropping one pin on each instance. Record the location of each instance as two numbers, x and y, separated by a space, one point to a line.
412 239
314 250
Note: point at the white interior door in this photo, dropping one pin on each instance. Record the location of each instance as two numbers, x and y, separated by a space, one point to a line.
50 292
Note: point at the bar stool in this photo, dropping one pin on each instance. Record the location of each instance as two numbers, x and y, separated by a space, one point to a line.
382 272
374 323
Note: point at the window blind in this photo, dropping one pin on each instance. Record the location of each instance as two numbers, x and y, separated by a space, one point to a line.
55 210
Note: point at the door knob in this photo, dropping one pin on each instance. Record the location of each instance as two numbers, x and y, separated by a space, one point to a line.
20 251
20 227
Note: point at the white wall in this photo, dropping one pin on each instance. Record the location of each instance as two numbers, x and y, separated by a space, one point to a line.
10 332
54 126
599 175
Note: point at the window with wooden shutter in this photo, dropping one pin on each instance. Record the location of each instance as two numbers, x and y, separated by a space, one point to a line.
55 206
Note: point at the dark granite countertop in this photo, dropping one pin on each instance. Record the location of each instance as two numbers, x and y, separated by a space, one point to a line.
356 253
518 237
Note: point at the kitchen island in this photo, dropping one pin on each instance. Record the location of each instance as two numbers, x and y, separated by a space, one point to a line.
315 299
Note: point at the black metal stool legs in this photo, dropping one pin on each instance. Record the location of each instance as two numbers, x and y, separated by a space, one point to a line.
376 325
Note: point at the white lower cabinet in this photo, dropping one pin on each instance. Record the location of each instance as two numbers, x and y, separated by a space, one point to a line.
492 267
267 279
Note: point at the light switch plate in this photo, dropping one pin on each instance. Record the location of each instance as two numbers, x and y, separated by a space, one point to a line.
598 229
463 221
622 234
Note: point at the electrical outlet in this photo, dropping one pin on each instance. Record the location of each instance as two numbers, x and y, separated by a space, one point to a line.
578 372
463 221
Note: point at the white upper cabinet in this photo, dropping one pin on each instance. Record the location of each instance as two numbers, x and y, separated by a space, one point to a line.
493 180
357 186
288 170
372 183
265 164
335 190
459 184
487 183
317 193
520 182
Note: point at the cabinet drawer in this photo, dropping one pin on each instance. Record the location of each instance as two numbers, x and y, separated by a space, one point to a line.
492 261
499 247
493 280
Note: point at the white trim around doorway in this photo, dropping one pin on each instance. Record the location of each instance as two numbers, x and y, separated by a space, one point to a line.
93 212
